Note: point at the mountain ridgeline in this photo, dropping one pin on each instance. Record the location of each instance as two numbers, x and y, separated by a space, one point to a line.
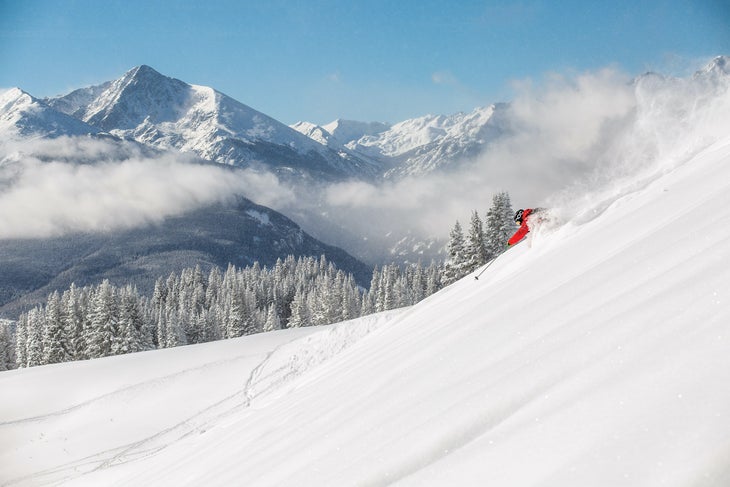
170 114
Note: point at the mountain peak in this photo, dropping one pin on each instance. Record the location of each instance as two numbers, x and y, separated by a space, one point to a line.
141 94
346 131
22 114
13 96
719 65
144 73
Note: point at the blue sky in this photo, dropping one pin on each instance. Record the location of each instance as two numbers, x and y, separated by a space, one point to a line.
318 60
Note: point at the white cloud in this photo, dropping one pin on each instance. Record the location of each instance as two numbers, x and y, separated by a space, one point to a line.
43 193
335 77
444 78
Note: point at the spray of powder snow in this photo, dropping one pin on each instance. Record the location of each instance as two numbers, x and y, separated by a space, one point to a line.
671 120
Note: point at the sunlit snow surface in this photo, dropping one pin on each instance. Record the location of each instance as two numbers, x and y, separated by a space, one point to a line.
594 354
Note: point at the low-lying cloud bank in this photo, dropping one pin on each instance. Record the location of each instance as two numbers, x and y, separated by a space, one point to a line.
53 187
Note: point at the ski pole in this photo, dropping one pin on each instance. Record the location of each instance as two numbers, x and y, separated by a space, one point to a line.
485 268
492 261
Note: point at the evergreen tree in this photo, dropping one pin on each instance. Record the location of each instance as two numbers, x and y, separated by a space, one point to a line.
21 341
434 277
236 316
54 337
299 310
73 318
161 328
174 334
131 324
500 224
454 269
7 354
34 337
103 330
391 298
476 250
272 319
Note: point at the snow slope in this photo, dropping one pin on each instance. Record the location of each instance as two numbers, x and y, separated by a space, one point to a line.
594 354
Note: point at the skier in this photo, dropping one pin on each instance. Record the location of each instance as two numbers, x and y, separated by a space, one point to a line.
522 218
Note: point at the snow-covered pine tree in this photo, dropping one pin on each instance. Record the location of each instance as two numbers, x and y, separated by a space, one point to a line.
103 332
132 328
21 341
235 319
54 337
500 224
7 348
476 250
73 315
34 337
299 310
272 319
434 278
454 267
175 335
252 321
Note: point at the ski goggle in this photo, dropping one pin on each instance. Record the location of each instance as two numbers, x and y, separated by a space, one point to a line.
518 217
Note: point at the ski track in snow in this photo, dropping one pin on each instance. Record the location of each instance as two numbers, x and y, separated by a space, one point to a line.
279 366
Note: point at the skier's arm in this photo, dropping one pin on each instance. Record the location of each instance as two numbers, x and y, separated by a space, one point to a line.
519 234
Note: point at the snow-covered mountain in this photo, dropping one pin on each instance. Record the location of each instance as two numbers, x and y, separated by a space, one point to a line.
347 131
594 354
417 146
719 67
22 115
170 114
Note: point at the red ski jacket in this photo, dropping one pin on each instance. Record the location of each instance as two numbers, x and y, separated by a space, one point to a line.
522 231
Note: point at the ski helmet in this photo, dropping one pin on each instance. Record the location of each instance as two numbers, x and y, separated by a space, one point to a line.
518 216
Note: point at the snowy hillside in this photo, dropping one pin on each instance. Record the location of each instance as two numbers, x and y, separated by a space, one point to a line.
596 353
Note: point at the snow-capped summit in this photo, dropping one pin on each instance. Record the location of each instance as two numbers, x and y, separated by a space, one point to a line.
314 132
416 146
719 67
141 95
347 131
168 113
22 115
424 144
